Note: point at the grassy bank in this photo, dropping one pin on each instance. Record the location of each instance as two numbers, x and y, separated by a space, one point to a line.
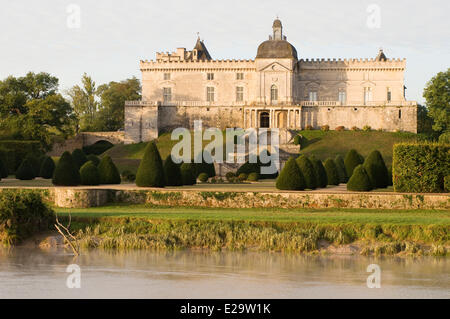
302 231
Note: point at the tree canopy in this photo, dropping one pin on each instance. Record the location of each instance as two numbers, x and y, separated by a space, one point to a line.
437 96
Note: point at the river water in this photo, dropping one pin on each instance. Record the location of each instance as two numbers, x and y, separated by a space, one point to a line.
35 273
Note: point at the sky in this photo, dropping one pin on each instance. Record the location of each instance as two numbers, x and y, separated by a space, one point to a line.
107 38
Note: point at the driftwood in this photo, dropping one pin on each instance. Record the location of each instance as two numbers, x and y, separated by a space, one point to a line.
64 231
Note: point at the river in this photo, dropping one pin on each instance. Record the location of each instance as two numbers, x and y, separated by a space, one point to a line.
35 273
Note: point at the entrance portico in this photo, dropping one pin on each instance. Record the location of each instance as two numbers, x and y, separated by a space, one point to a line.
273 117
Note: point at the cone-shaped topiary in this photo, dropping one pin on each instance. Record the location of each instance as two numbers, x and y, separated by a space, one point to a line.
89 174
307 169
94 159
332 172
352 159
150 172
3 169
360 181
339 161
47 168
321 174
26 170
291 177
66 172
35 164
109 173
187 171
79 157
377 170
172 172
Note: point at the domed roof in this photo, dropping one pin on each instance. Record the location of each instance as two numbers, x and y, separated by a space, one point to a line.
276 49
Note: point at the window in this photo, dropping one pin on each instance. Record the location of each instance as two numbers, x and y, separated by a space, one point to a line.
167 94
367 95
274 93
342 97
389 95
239 76
239 94
399 114
210 76
210 94
313 96
166 76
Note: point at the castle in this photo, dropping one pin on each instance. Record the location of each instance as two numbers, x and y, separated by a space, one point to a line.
275 90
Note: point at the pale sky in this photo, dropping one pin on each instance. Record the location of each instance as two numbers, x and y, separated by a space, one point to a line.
114 35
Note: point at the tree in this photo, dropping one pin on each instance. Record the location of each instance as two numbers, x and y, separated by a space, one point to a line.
150 172
321 174
90 174
424 121
25 170
352 159
47 168
108 171
332 173
360 181
66 172
172 172
94 159
291 177
79 157
437 96
339 160
376 170
308 172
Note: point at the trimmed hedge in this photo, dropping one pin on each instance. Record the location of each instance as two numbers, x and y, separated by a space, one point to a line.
377 170
420 167
93 158
339 161
109 174
321 174
187 171
79 157
352 159
291 177
47 168
151 172
13 152
253 177
172 172
89 174
307 169
66 172
332 172
203 177
3 169
360 180
26 171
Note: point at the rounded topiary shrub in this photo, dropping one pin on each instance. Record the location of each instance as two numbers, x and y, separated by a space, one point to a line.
47 168
352 159
291 178
230 176
203 177
66 172
332 172
79 157
339 161
377 170
307 169
26 171
242 177
172 172
89 174
108 171
93 158
188 174
321 174
360 181
151 172
3 169
253 177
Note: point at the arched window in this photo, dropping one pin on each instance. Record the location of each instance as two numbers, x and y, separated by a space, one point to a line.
274 93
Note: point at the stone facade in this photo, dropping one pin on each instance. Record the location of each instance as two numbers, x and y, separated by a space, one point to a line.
275 90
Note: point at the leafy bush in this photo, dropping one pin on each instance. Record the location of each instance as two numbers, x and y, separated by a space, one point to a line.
340 128
66 172
377 170
332 172
172 172
243 176
89 174
93 158
291 178
321 174
420 167
360 181
128 176
444 138
26 170
151 172
230 176
22 214
47 168
3 169
325 128
187 174
308 172
203 177
367 128
447 183
108 171
339 161
355 128
352 159
79 157
13 152
253 177
97 148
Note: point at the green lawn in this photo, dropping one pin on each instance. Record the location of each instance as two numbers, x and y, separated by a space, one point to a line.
326 216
